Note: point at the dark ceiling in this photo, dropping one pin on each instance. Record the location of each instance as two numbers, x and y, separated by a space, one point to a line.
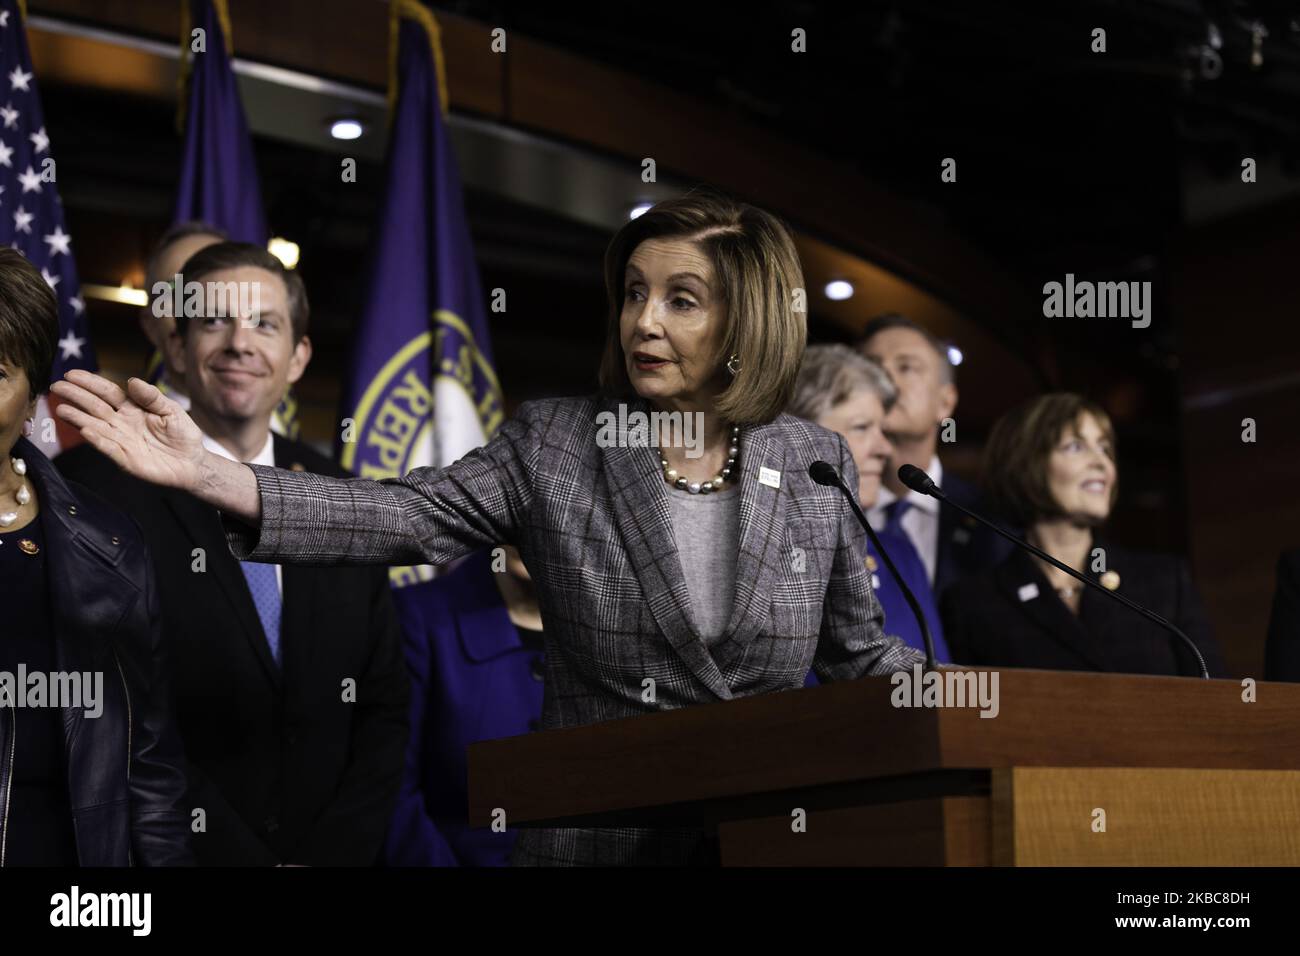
1066 158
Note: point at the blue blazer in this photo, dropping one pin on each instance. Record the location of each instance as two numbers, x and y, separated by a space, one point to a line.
472 678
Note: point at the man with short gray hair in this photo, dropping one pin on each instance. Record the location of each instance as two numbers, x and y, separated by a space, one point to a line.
950 544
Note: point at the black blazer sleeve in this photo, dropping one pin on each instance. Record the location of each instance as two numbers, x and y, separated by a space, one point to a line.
1282 648
1192 620
351 830
160 822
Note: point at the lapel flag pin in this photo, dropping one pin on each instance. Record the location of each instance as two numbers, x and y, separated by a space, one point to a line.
1028 592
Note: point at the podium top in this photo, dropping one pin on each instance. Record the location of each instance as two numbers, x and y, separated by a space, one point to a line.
854 731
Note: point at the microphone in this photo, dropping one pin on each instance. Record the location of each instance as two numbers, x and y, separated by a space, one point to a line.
919 481
826 474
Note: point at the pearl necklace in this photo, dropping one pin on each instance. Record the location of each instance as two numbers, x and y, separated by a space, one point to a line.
23 495
715 483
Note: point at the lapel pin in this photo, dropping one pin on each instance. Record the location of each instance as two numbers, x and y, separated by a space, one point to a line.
1110 580
872 566
28 546
769 477
1028 592
297 466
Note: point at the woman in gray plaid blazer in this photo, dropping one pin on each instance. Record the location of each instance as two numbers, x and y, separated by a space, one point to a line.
679 560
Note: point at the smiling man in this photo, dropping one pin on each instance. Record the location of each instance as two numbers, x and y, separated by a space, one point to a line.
289 681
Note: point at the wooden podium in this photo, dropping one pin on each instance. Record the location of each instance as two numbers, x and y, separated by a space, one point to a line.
1076 769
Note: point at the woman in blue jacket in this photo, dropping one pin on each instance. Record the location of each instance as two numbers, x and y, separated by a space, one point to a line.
474 648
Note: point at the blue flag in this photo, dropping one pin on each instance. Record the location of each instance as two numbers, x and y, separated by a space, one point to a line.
31 215
423 390
219 183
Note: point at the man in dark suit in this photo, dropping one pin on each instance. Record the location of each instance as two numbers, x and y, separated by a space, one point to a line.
951 545
290 686
1282 650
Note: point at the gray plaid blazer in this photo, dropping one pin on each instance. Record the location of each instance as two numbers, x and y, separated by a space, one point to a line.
594 527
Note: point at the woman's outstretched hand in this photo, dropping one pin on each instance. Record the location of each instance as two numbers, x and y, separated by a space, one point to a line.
147 435
141 430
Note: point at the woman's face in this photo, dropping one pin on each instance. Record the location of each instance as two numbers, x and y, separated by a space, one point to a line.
671 326
1081 471
16 405
860 418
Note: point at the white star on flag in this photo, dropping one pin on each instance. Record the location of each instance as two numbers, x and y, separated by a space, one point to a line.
5 153
18 79
22 220
71 345
9 115
51 280
58 241
77 305
31 180
40 140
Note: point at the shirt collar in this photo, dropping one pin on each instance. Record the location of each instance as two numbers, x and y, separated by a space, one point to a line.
264 457
915 498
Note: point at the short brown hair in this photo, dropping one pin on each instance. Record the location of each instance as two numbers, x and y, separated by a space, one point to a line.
29 320
1018 449
758 270
896 320
221 256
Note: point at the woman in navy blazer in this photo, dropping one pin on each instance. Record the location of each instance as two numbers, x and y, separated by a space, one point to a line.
475 675
1050 468
846 392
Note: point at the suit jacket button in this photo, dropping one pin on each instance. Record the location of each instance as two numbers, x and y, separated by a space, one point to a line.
115 540
72 510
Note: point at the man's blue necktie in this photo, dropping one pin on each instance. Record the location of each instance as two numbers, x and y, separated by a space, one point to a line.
266 598
894 512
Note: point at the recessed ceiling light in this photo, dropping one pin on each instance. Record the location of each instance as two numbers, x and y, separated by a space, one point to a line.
838 290
346 129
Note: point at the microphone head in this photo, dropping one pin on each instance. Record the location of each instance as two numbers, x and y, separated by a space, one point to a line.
918 480
824 474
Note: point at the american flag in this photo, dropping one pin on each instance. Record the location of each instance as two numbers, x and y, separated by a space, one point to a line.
31 213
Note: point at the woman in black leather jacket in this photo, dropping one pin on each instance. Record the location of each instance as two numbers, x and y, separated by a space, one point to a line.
90 766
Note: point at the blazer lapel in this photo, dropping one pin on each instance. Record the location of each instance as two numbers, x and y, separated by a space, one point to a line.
762 541
1016 576
204 528
644 521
